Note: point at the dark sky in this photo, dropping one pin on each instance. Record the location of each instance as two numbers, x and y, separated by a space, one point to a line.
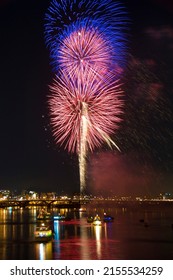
29 158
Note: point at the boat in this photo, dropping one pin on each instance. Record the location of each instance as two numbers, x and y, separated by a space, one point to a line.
61 218
90 219
97 221
43 233
108 218
44 215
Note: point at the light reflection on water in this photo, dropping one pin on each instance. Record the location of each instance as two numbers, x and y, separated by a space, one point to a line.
44 251
134 234
97 232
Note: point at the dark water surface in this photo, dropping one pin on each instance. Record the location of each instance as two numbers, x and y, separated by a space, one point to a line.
137 232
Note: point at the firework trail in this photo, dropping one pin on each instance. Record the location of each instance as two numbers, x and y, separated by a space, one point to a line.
87 49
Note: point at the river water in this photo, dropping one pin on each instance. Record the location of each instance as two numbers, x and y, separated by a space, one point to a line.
137 232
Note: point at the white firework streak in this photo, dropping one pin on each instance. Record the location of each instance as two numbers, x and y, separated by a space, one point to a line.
82 155
83 147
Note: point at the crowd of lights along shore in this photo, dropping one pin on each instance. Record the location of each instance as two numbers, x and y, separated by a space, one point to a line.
87 46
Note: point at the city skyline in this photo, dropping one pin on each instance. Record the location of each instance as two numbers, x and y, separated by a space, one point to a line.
29 156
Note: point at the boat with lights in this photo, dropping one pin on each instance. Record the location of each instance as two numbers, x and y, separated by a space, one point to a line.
108 218
90 219
43 233
60 217
97 221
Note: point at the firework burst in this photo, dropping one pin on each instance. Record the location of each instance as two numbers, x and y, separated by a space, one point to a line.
101 21
87 49
98 101
84 49
84 112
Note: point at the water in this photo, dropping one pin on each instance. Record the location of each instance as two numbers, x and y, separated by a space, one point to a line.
138 232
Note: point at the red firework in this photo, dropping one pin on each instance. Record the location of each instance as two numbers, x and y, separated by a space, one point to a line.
98 100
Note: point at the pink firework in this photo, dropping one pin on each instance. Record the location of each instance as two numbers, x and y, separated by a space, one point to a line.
84 100
84 49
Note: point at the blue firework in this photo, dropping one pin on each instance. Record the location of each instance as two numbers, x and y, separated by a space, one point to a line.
107 18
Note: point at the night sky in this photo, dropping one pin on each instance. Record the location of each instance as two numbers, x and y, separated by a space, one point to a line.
29 158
